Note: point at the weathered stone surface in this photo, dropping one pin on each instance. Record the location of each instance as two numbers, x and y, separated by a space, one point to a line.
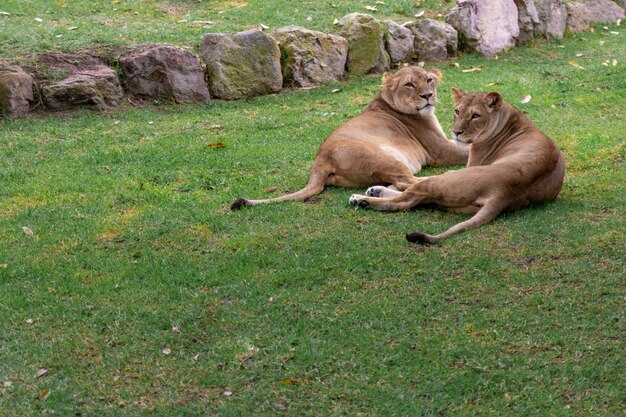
486 26
577 17
94 87
16 91
527 18
434 40
366 48
552 18
246 64
399 42
604 11
152 71
310 58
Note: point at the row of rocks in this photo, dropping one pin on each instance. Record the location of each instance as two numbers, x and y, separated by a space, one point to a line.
254 63
491 26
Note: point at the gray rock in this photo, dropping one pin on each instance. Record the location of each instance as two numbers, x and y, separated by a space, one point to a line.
366 47
604 11
96 87
577 17
434 40
486 26
552 18
152 71
246 64
527 19
310 58
399 42
16 91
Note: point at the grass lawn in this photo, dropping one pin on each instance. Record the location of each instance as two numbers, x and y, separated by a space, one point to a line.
139 292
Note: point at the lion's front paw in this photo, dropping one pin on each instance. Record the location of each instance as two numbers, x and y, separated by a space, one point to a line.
357 200
375 191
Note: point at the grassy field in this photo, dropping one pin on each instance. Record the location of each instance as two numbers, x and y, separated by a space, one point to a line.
139 293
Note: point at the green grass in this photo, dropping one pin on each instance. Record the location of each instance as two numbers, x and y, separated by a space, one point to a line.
132 235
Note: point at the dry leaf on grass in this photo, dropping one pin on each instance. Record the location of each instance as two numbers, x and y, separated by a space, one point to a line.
526 99
371 8
216 145
41 372
27 231
575 65
7 384
475 69
43 395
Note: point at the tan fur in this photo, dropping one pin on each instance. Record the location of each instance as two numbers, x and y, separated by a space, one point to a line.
511 165
396 135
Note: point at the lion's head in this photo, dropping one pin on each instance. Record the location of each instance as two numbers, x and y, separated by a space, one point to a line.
411 90
476 115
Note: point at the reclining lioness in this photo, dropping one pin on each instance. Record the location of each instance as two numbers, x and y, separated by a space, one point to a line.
512 164
396 135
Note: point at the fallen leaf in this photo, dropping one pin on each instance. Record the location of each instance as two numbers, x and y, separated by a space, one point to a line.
182 21
41 372
271 189
227 393
263 27
614 33
175 329
215 127
560 46
578 55
216 145
601 43
196 356
494 83
72 28
371 8
614 62
166 351
253 349
7 384
419 14
44 394
618 22
309 19
27 231
4 266
271 300
335 22
151 122
60 4
575 64
290 381
5 14
475 69
526 99
382 2
38 19
30 321
454 64
335 90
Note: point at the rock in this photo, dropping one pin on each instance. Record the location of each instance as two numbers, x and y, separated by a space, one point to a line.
366 47
152 71
434 40
16 91
552 18
96 87
310 58
399 43
246 64
527 19
604 11
577 17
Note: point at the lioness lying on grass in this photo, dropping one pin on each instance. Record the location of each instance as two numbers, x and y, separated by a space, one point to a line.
396 135
512 164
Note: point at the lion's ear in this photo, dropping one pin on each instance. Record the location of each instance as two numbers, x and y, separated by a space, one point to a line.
389 81
457 94
437 75
493 100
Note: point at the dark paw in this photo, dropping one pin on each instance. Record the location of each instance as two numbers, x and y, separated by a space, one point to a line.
417 237
238 203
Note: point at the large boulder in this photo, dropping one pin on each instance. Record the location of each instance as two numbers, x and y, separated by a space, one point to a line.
552 18
604 11
77 80
152 71
96 87
577 17
366 47
434 40
16 91
245 64
310 58
527 19
399 42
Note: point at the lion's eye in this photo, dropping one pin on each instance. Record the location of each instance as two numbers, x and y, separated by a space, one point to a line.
409 85
456 112
475 116
430 80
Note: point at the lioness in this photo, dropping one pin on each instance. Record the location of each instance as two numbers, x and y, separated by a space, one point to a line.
396 135
512 164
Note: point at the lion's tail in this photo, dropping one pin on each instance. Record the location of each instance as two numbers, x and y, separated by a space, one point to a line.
315 186
486 214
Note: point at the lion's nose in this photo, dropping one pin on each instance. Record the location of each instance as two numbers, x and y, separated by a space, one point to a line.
426 96
458 133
